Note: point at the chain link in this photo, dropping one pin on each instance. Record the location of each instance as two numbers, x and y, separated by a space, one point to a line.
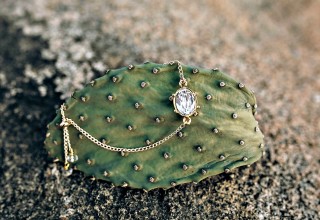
66 139
183 82
66 122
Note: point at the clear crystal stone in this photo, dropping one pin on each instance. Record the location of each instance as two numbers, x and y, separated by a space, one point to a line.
185 102
68 172
72 158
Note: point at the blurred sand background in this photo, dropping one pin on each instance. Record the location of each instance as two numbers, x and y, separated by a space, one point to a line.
48 48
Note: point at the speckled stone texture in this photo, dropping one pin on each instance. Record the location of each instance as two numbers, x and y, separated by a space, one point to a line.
49 48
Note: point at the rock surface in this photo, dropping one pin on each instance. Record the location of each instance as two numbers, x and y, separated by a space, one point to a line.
48 48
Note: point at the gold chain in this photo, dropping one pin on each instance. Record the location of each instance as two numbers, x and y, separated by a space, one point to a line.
183 81
68 151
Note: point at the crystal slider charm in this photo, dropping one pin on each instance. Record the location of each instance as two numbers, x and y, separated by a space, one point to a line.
185 102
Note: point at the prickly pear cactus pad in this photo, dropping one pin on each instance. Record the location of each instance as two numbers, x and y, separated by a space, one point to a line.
133 106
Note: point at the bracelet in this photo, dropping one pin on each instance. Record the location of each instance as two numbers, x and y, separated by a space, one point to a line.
156 126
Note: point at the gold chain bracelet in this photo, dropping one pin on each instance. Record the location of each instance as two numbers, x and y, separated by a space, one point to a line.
185 104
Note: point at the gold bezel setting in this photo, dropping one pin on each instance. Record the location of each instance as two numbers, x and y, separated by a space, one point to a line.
194 95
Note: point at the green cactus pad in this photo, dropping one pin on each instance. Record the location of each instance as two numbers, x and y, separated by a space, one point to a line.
224 135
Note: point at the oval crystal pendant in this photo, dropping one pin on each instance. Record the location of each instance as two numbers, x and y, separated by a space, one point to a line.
185 102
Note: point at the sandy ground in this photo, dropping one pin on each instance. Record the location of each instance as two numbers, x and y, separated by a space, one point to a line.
49 48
